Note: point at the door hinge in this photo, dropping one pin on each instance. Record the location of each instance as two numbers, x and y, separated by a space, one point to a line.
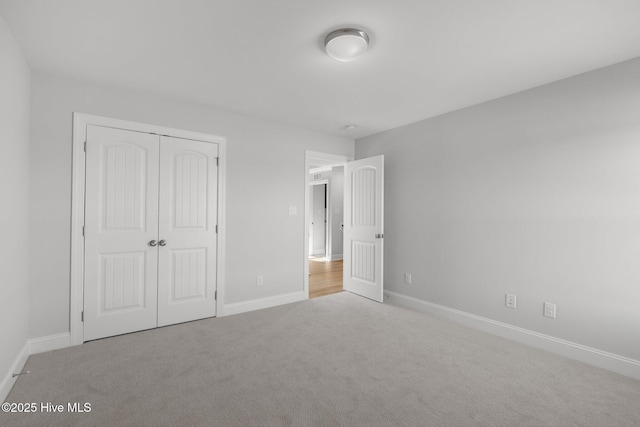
82 316
216 228
83 231
217 161
85 146
215 295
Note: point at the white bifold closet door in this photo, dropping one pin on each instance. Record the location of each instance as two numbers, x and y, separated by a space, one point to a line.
150 231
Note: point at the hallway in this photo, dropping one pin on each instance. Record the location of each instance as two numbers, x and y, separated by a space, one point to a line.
325 277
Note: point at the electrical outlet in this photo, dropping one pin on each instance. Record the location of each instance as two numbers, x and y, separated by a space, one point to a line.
549 310
510 301
407 278
259 280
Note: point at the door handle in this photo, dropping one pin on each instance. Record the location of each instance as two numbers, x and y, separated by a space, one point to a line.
162 243
379 236
153 243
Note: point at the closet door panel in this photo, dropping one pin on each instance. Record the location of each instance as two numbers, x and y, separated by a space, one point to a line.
121 218
188 203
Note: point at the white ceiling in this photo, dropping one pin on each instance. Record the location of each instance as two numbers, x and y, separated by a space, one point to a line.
264 58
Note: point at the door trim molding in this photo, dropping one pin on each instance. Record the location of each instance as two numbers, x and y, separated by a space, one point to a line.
80 123
327 159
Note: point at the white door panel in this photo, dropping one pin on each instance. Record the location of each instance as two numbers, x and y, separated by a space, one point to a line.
188 218
120 221
150 231
363 227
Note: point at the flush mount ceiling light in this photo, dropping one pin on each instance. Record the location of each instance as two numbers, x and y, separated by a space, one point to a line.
346 44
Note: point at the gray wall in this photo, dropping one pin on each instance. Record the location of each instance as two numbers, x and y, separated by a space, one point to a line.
14 200
535 194
265 175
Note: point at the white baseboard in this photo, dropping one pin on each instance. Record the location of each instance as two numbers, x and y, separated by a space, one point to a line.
601 359
258 304
32 346
16 366
48 343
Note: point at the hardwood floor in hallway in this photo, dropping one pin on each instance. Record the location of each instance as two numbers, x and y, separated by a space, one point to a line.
325 278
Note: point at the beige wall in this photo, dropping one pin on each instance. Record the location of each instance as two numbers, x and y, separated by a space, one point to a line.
265 175
14 201
535 194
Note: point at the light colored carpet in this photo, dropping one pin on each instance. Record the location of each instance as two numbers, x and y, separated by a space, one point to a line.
340 360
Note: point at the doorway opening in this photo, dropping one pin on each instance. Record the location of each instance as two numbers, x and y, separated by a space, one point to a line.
319 233
361 220
324 213
325 231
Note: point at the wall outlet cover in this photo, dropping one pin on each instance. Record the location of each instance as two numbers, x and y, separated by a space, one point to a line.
549 310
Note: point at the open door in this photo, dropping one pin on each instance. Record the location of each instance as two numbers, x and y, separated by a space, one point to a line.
318 236
364 227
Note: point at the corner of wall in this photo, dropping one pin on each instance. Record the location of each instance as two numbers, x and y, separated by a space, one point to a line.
14 190
9 379
32 346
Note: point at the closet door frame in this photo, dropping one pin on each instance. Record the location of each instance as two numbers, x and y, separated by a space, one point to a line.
80 123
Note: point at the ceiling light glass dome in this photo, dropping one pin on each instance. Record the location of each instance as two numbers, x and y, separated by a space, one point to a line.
346 44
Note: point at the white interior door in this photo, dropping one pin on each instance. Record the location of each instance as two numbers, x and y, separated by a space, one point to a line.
121 218
364 227
319 218
150 231
188 235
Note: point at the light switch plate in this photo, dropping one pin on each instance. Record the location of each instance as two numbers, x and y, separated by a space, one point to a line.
510 301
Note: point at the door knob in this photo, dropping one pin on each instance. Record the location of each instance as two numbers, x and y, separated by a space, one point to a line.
162 243
153 243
